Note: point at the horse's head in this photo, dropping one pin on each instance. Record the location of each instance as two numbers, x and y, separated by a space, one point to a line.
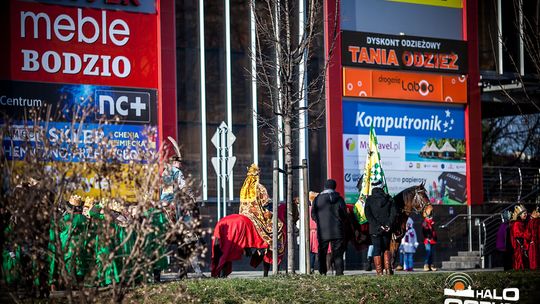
420 200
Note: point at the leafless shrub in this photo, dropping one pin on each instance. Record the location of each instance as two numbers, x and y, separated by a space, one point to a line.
114 235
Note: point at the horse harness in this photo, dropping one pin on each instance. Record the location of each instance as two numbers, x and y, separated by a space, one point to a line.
417 201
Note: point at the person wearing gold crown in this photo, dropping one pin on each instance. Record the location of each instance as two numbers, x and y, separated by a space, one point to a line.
106 271
123 241
253 202
72 238
520 238
533 228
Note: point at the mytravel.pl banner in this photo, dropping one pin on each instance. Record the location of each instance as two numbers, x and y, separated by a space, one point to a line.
404 85
372 50
417 143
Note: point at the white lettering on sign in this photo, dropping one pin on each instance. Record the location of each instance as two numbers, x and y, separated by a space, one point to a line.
407 123
118 30
121 105
82 29
94 65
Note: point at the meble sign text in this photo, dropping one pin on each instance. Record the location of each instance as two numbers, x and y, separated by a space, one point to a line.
66 29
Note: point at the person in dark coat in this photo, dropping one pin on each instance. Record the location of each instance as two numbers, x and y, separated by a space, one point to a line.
330 214
381 213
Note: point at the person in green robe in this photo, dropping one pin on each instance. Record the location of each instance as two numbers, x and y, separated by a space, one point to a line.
90 235
106 271
155 246
72 239
11 256
55 228
124 240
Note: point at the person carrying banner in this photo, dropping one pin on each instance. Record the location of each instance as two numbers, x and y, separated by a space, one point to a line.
375 207
380 213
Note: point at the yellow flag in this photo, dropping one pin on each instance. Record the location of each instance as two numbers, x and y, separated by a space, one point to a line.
373 173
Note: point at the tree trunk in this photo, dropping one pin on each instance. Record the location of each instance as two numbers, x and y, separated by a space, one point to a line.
290 223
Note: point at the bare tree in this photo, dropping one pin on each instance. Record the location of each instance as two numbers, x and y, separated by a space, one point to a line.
508 140
283 47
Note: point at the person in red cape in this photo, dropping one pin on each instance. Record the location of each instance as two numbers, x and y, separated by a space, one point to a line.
533 229
520 238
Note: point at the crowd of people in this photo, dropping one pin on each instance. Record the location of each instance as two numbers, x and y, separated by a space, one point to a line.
327 231
97 242
86 247
518 239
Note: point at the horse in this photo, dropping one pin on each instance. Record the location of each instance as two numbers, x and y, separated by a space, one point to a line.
235 235
412 199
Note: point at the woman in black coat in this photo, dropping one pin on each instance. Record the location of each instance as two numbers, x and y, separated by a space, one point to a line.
381 213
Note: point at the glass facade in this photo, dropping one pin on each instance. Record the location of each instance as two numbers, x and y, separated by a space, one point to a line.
189 95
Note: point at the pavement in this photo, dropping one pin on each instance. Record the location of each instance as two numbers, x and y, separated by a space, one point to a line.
259 274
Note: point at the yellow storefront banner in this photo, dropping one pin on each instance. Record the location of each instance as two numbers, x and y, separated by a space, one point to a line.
127 182
445 3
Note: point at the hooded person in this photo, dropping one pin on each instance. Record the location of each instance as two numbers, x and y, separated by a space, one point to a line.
381 213
409 243
330 213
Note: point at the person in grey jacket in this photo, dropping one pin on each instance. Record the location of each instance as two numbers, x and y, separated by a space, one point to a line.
330 214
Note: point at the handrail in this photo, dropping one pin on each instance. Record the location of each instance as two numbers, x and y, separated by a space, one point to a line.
511 184
484 240
463 215
499 213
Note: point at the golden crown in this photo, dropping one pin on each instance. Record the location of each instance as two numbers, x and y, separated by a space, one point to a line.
253 170
518 210
75 200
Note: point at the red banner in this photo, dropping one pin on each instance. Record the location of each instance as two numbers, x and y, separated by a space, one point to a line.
82 46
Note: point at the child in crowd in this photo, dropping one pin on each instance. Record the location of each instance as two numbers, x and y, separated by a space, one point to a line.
409 243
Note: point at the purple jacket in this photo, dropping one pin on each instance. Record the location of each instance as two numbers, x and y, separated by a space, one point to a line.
501 237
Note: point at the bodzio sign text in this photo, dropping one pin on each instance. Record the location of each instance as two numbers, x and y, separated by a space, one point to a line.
51 43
